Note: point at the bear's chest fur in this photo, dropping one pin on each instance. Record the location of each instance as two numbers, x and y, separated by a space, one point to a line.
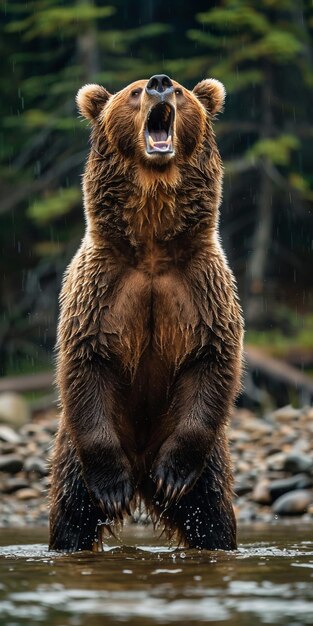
151 309
150 313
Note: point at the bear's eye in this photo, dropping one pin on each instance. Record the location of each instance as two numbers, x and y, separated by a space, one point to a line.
136 92
178 92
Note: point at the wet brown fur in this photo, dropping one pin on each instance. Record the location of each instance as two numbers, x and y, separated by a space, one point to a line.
150 332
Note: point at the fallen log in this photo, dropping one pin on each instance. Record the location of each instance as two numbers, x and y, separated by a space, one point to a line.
277 377
29 382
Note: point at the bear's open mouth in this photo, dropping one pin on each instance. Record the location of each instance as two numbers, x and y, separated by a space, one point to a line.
159 129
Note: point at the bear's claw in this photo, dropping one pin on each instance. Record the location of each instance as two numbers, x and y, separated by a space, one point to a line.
173 484
113 500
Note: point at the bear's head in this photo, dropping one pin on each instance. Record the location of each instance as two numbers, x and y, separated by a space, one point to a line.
153 122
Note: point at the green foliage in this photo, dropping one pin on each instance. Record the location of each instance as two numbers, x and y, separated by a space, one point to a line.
278 150
276 46
118 41
54 205
280 343
66 20
239 17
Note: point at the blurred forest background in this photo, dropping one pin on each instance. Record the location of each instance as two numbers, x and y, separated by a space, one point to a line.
260 49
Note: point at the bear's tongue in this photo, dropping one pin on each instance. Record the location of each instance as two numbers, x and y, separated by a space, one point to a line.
159 140
158 135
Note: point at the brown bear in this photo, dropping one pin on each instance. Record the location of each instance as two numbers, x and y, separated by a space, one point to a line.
150 333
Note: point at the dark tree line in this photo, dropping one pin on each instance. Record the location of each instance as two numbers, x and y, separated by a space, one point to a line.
260 50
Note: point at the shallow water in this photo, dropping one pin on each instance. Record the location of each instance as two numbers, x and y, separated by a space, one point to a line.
142 581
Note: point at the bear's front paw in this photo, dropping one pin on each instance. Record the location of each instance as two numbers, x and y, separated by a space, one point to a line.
113 494
174 476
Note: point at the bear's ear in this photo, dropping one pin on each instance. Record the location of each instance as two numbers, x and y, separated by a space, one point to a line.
91 100
211 94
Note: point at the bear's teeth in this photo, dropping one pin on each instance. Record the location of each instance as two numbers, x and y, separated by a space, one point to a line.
161 146
167 142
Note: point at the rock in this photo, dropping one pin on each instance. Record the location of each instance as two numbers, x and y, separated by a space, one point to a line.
8 435
27 494
293 503
278 487
286 413
14 484
296 463
43 439
31 429
36 465
14 410
276 461
7 448
242 486
273 449
255 426
242 467
238 435
261 492
52 426
11 463
246 513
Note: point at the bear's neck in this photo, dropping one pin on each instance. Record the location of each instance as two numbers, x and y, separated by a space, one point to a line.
142 206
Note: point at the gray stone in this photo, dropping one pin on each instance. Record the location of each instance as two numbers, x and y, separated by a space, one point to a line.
261 492
11 463
31 429
293 503
14 484
7 448
14 410
255 426
278 487
286 413
52 426
36 465
27 494
276 462
242 486
8 435
296 463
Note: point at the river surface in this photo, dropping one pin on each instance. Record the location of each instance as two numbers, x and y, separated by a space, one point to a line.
142 581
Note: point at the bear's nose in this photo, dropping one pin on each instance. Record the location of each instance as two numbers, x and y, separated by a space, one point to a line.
159 83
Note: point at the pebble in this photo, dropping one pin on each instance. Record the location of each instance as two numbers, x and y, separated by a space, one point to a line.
242 486
11 463
256 426
278 487
14 484
27 494
36 465
14 409
286 414
276 461
296 463
7 448
8 435
293 503
261 492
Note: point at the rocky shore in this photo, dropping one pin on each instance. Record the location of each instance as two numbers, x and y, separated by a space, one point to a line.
272 458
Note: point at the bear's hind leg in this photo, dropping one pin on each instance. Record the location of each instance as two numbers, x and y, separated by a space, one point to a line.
203 518
73 516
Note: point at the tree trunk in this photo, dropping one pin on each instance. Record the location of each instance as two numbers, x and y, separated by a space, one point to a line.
257 262
87 49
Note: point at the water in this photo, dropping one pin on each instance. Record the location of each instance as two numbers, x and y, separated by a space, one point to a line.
143 582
